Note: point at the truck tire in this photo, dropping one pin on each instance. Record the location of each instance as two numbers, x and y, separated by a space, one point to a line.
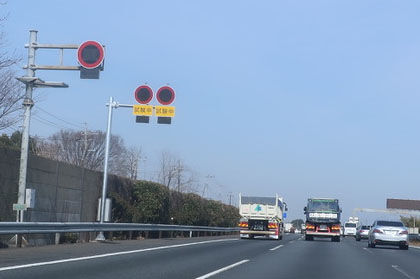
335 239
404 247
309 238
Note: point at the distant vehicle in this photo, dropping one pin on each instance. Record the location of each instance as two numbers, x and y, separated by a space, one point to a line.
297 231
322 219
349 229
362 232
354 219
288 227
303 228
388 233
261 216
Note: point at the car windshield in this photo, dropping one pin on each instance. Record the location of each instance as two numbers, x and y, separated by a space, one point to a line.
323 205
390 223
350 225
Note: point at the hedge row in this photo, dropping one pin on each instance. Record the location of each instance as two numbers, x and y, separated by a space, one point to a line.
151 202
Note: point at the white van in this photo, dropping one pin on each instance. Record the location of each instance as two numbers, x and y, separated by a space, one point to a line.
349 229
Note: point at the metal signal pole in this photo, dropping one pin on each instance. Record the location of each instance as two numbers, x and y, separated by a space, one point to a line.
111 105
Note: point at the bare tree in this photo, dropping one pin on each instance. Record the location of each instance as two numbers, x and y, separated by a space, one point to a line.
133 156
11 91
174 174
87 149
167 169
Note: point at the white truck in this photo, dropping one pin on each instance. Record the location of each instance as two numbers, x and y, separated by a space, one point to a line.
261 216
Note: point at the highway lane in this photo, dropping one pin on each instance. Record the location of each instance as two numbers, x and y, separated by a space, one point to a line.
215 258
322 258
189 261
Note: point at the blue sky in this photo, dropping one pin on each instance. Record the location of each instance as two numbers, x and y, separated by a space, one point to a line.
300 98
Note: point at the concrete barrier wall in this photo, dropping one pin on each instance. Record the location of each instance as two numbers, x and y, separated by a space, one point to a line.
64 193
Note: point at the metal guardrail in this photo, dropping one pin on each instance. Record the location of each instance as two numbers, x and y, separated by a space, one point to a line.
54 227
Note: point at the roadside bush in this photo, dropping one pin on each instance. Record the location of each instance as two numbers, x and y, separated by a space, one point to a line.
152 202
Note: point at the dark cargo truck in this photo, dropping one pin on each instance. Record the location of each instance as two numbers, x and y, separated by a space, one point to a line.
322 219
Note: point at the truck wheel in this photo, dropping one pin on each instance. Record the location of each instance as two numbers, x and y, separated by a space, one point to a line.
335 239
404 247
309 238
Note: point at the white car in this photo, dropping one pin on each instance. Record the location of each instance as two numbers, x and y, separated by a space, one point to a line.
349 229
388 233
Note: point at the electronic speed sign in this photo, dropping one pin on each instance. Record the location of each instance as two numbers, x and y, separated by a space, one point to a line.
90 54
165 95
143 94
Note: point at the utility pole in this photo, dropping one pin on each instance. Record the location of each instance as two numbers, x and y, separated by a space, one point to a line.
31 82
28 103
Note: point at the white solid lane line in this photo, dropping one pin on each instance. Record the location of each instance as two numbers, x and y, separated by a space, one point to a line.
222 269
275 248
367 250
397 268
111 254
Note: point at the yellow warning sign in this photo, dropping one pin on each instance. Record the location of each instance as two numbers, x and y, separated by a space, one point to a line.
165 111
143 110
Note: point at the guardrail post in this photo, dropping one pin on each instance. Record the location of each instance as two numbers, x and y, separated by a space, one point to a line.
57 238
190 234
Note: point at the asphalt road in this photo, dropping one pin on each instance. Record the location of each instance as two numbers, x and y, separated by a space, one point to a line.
212 258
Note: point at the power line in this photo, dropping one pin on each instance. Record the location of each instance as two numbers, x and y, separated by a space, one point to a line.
47 122
60 119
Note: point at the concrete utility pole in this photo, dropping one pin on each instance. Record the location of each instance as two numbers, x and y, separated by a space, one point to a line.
31 82
28 104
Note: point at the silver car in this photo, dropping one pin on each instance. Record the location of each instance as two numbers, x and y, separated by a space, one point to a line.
362 232
388 233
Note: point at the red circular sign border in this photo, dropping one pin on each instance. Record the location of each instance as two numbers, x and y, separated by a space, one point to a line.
91 65
148 88
171 100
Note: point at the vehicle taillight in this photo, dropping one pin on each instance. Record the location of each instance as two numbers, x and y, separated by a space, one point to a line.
272 225
404 232
377 231
335 227
243 224
310 227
